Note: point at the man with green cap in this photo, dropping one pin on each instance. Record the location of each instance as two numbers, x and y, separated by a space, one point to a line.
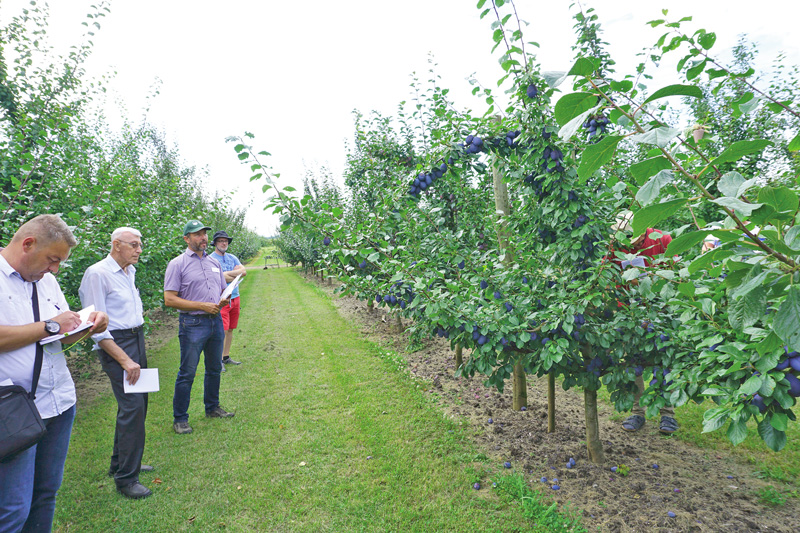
193 284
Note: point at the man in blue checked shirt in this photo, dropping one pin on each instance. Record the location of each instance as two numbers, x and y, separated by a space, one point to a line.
110 285
232 267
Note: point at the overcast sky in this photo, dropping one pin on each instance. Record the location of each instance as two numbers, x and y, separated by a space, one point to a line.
293 72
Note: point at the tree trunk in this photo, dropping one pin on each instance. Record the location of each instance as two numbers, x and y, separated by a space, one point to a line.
370 306
520 387
503 209
459 357
398 325
593 444
551 403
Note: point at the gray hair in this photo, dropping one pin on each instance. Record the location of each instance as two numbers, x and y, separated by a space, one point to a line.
115 235
46 229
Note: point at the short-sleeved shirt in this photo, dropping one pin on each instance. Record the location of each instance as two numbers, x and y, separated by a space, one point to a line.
113 291
55 392
228 262
197 278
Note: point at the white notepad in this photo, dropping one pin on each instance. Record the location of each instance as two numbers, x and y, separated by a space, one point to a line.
229 289
147 382
85 324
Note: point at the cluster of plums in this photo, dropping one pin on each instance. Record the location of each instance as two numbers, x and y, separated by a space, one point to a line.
425 180
596 124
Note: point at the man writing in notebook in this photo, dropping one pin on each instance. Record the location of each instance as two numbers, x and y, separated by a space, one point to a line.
33 307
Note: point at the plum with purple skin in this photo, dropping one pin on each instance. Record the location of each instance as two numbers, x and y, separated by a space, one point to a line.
532 91
794 385
326 241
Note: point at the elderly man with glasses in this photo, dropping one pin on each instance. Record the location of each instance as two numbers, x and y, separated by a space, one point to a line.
110 285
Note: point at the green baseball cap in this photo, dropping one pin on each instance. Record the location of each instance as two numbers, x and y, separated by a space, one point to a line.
193 226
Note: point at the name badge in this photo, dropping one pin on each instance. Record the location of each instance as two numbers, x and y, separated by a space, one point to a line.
215 269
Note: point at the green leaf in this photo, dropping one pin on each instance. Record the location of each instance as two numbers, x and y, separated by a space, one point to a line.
696 70
685 242
650 190
787 320
792 238
713 419
596 155
571 105
650 216
554 78
794 144
737 431
781 198
660 137
740 207
750 386
706 39
498 35
779 421
729 184
687 289
570 128
582 67
717 254
738 150
773 438
649 167
676 90
745 311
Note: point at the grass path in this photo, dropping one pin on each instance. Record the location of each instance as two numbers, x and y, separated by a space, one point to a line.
327 437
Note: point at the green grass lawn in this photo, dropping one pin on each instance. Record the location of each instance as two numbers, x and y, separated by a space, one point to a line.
328 436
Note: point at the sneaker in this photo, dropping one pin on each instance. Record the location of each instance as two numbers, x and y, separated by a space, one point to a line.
223 367
229 361
218 412
182 428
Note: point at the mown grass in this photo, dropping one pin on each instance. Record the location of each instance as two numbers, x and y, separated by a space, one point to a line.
328 436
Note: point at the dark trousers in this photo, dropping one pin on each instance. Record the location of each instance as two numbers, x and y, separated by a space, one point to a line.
126 459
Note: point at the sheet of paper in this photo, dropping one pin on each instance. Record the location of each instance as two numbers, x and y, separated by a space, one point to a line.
635 262
85 324
229 289
147 382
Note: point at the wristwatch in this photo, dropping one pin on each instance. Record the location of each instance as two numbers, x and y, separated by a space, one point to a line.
52 327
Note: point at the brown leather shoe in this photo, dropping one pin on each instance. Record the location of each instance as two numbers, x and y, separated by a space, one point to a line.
135 491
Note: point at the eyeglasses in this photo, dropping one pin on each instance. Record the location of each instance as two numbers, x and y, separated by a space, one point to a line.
134 245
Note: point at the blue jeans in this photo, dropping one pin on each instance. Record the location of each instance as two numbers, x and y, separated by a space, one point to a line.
30 481
198 333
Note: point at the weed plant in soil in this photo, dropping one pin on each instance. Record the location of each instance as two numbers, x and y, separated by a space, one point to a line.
328 436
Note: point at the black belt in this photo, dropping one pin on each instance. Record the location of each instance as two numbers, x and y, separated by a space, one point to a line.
127 331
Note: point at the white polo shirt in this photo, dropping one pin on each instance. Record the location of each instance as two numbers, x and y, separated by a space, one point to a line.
55 392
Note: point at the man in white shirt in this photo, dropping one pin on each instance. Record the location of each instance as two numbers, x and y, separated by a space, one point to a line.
110 285
33 307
